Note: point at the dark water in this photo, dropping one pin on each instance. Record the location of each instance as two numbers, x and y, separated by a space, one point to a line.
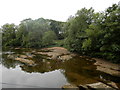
49 73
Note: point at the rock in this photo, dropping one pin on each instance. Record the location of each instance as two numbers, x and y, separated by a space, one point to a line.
33 51
109 71
94 86
83 87
30 55
107 67
11 56
113 85
57 53
66 57
54 56
118 85
20 56
9 52
73 54
107 64
26 61
47 63
43 60
23 56
70 86
100 85
49 58
17 48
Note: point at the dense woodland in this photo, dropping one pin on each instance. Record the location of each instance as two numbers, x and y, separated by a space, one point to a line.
90 33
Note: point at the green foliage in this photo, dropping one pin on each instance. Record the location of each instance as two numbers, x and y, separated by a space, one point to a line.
8 34
32 33
57 26
48 38
95 34
87 44
76 26
59 43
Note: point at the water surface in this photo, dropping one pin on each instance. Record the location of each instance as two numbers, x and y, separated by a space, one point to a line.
49 73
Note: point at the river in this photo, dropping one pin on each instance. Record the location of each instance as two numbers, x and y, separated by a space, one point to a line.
50 73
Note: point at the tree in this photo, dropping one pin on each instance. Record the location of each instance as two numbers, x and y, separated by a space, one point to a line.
94 33
110 42
112 29
8 35
48 38
76 29
57 26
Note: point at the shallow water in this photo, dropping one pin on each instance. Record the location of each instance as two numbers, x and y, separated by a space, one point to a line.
50 73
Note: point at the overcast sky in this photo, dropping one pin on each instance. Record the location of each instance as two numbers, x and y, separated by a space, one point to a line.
14 11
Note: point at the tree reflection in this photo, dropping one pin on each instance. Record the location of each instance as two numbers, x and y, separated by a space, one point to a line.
8 63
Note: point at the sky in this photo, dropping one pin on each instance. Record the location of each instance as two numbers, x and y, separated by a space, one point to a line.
14 11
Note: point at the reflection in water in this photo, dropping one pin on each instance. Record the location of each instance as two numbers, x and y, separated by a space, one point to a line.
8 63
51 73
22 79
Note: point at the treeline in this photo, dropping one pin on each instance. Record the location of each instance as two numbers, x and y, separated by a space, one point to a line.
31 33
95 34
87 32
